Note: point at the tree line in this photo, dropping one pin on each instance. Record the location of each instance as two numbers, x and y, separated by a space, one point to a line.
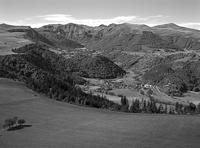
56 86
151 106
61 85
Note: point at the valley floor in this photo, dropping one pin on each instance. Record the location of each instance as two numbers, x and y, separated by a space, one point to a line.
58 124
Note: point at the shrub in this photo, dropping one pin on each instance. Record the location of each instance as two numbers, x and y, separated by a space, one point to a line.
115 107
196 89
135 106
125 108
13 123
21 121
124 100
15 119
8 123
142 92
198 108
149 92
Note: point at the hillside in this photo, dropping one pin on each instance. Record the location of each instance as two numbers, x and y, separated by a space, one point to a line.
18 36
129 36
56 124
104 51
175 81
124 37
45 72
96 67
132 46
82 65
158 55
9 40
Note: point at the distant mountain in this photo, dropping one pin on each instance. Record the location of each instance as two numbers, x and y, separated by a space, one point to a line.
176 28
16 36
124 37
169 26
136 47
158 55
129 37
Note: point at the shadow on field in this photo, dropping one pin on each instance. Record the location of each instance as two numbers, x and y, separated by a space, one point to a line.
19 127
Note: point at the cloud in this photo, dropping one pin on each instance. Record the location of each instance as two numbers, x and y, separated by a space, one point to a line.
191 25
56 17
66 18
38 21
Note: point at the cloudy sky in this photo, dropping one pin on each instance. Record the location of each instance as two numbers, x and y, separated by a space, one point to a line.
36 13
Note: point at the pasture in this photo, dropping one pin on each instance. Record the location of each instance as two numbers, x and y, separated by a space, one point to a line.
58 124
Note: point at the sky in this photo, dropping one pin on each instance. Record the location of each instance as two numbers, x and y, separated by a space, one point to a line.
36 13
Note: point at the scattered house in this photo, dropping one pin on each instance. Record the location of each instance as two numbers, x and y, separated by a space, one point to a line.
167 85
147 86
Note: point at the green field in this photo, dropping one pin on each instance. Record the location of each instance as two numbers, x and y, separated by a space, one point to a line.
62 125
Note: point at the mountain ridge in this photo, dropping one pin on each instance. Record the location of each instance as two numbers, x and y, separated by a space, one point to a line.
108 52
124 35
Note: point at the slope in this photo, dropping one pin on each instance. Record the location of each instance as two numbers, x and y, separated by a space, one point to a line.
54 124
18 36
129 36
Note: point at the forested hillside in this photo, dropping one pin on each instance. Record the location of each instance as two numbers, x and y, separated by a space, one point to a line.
44 72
